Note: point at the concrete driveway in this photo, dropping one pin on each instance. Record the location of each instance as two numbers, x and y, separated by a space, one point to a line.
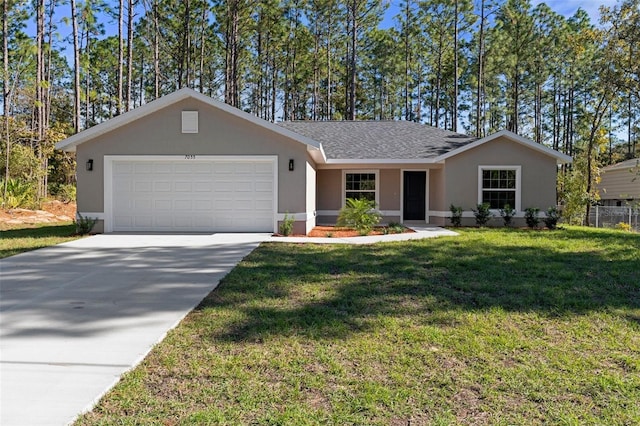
74 317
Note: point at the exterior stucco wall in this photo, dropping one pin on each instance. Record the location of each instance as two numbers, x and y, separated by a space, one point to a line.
389 190
329 189
219 133
538 174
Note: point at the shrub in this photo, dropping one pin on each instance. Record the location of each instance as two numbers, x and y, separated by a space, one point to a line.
360 214
395 228
64 192
507 213
552 217
84 225
456 215
623 226
19 194
286 226
531 216
482 214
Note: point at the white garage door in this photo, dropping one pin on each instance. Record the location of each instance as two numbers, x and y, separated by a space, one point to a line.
213 194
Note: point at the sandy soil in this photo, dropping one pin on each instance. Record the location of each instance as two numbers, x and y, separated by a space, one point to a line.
52 211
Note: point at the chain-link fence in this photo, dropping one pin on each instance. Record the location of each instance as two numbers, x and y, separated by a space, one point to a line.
612 217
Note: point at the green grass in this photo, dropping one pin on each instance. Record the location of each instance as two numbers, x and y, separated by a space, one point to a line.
19 240
495 327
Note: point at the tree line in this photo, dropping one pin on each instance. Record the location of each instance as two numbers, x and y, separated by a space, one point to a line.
469 66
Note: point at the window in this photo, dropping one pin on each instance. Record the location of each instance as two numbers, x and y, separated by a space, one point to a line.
499 186
360 185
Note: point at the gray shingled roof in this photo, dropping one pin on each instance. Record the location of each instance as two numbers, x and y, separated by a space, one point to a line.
392 140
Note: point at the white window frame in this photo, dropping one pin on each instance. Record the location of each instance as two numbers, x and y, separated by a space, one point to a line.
344 183
517 189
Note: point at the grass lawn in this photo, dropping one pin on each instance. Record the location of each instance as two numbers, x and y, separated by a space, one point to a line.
31 237
494 327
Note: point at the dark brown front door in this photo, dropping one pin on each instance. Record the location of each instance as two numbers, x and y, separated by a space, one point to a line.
414 195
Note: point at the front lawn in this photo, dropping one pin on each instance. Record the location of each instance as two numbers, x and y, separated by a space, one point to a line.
32 237
491 327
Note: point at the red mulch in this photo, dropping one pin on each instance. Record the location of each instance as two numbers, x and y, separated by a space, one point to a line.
336 232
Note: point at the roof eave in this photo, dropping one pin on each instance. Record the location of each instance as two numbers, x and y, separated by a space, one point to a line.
381 161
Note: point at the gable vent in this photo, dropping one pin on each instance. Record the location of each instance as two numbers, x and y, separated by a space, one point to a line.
189 121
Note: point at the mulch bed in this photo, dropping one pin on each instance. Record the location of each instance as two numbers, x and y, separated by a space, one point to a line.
337 232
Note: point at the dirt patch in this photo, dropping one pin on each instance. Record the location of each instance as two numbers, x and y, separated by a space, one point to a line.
337 232
51 212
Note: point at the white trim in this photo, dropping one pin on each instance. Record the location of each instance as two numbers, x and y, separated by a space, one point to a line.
518 188
426 195
108 176
337 212
91 215
70 143
298 217
469 214
363 171
560 157
382 161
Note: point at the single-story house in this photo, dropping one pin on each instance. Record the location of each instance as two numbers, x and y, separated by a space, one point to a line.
620 183
188 163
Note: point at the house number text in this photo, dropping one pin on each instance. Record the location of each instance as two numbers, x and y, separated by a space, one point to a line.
190 157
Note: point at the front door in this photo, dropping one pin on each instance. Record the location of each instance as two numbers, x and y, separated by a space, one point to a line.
414 195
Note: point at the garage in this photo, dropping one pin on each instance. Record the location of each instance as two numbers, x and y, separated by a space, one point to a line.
190 193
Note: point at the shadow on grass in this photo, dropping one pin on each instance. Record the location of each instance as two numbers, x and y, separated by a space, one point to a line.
40 231
331 291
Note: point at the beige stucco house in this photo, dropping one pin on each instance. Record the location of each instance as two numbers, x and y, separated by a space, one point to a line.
620 183
188 163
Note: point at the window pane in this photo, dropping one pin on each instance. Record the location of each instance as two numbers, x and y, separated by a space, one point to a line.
498 179
360 185
371 196
498 199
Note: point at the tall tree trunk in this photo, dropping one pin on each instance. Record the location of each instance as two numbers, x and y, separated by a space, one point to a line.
352 60
76 69
127 99
329 115
407 60
39 121
203 38
454 118
156 52
120 57
479 83
231 63
5 92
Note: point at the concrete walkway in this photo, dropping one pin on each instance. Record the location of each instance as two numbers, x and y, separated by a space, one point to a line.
75 317
422 232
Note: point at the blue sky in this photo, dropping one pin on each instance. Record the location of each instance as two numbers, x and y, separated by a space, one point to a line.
566 8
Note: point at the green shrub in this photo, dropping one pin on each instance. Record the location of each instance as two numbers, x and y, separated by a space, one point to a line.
456 215
552 218
19 194
531 216
359 214
64 192
507 213
482 214
286 226
395 228
84 225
